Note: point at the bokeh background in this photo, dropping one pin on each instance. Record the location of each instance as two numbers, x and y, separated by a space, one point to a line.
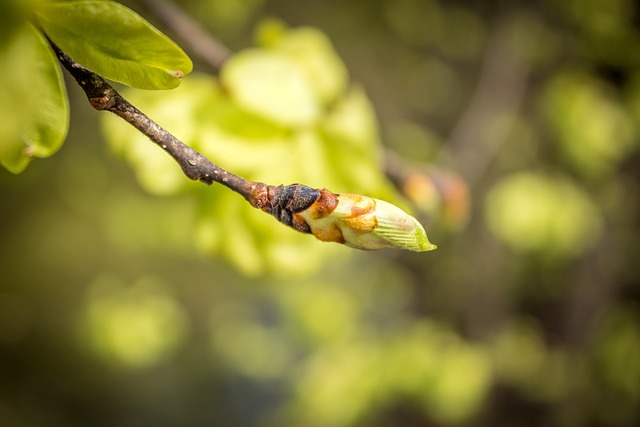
511 129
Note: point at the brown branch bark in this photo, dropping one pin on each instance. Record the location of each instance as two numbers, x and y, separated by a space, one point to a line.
103 97
298 206
281 201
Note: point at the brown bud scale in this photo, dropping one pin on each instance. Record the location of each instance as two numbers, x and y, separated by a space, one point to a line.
284 201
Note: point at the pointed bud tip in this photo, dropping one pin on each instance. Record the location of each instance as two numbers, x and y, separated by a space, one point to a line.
423 243
416 239
399 229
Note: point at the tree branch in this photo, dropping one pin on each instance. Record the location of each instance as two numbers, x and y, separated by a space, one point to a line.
359 222
103 97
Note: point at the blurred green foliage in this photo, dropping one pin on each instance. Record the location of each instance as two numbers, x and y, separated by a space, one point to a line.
528 313
280 114
135 325
580 107
543 214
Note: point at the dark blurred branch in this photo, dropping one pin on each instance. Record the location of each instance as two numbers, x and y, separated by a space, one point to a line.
501 89
199 40
103 97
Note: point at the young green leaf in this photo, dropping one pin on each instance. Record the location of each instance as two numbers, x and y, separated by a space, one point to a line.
34 96
115 42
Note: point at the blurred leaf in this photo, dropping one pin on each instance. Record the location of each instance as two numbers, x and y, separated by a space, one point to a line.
618 339
320 313
595 133
417 22
353 121
269 31
350 132
337 386
463 378
544 214
272 85
34 96
315 54
134 325
616 374
115 42
450 377
350 381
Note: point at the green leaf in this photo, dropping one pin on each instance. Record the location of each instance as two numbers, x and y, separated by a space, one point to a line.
116 43
34 96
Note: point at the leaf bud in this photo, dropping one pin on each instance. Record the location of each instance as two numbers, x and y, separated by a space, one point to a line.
363 223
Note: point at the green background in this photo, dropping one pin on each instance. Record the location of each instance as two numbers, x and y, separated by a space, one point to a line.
527 313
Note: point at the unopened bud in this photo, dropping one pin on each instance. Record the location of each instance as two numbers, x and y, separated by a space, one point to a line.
364 223
356 221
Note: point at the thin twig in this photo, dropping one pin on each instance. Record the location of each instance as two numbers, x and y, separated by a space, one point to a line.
103 97
305 209
282 201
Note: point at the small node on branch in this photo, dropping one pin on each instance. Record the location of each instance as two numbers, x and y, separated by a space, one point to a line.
102 103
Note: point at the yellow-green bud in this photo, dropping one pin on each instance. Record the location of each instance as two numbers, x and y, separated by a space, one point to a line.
363 223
